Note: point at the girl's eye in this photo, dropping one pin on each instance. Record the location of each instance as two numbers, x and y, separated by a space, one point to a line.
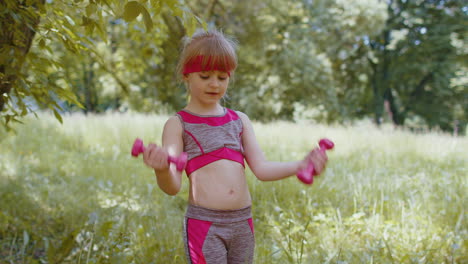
206 76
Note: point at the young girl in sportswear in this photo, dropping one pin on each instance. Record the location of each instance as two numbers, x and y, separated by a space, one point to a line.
218 225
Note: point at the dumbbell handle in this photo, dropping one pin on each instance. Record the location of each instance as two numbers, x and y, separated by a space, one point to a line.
307 175
180 161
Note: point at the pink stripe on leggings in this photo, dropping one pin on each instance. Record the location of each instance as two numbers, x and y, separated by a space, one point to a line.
251 225
196 232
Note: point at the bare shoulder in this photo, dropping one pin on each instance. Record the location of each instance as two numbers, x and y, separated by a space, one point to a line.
245 119
173 124
172 135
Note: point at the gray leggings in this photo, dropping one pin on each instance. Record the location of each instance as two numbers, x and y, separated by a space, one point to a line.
218 236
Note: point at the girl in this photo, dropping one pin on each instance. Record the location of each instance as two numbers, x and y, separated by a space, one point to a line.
218 225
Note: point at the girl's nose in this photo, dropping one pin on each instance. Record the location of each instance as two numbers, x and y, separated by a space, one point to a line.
214 82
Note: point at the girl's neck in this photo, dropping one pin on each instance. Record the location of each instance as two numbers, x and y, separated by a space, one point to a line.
212 110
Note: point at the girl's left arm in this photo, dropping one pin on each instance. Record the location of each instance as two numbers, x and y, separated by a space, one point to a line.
263 169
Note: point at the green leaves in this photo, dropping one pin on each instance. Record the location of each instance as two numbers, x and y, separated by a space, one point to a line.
38 38
133 9
147 19
91 9
321 55
416 62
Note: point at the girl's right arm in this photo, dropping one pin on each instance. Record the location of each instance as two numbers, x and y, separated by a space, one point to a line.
168 178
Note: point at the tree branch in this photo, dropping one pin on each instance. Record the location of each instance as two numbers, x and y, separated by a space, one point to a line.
16 32
210 10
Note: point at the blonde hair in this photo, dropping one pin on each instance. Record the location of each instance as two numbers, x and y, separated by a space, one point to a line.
215 47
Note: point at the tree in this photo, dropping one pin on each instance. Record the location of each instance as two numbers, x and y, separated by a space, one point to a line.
326 60
293 54
342 33
413 61
32 76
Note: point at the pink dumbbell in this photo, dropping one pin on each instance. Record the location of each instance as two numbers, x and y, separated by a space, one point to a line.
307 175
180 161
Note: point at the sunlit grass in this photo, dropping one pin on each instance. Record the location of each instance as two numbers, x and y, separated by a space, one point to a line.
72 193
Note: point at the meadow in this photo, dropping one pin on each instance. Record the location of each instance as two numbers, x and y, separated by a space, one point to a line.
72 193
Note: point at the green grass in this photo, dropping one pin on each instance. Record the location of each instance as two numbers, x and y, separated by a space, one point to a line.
72 193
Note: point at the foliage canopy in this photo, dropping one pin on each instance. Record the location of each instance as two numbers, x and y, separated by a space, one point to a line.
326 60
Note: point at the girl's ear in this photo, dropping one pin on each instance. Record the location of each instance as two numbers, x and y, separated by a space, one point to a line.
185 77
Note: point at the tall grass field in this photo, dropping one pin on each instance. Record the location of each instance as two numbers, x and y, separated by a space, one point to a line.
72 193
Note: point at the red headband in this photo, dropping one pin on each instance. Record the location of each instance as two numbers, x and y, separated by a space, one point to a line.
196 65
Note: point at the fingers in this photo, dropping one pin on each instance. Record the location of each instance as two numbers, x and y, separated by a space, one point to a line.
319 158
303 164
155 157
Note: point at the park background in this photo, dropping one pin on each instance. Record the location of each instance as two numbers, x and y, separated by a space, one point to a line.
386 80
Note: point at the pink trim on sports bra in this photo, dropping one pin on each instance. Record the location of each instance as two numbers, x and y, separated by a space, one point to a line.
207 158
210 120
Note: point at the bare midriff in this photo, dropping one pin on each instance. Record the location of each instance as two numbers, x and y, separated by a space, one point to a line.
220 185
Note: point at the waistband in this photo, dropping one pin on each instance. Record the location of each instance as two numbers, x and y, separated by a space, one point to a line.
218 216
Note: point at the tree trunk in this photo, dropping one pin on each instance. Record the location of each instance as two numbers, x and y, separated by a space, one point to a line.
397 116
380 78
17 34
378 102
89 88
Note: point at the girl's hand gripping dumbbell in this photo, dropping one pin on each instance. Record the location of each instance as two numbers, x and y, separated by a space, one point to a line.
180 161
307 174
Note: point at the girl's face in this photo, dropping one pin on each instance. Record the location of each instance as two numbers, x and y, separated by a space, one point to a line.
207 87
